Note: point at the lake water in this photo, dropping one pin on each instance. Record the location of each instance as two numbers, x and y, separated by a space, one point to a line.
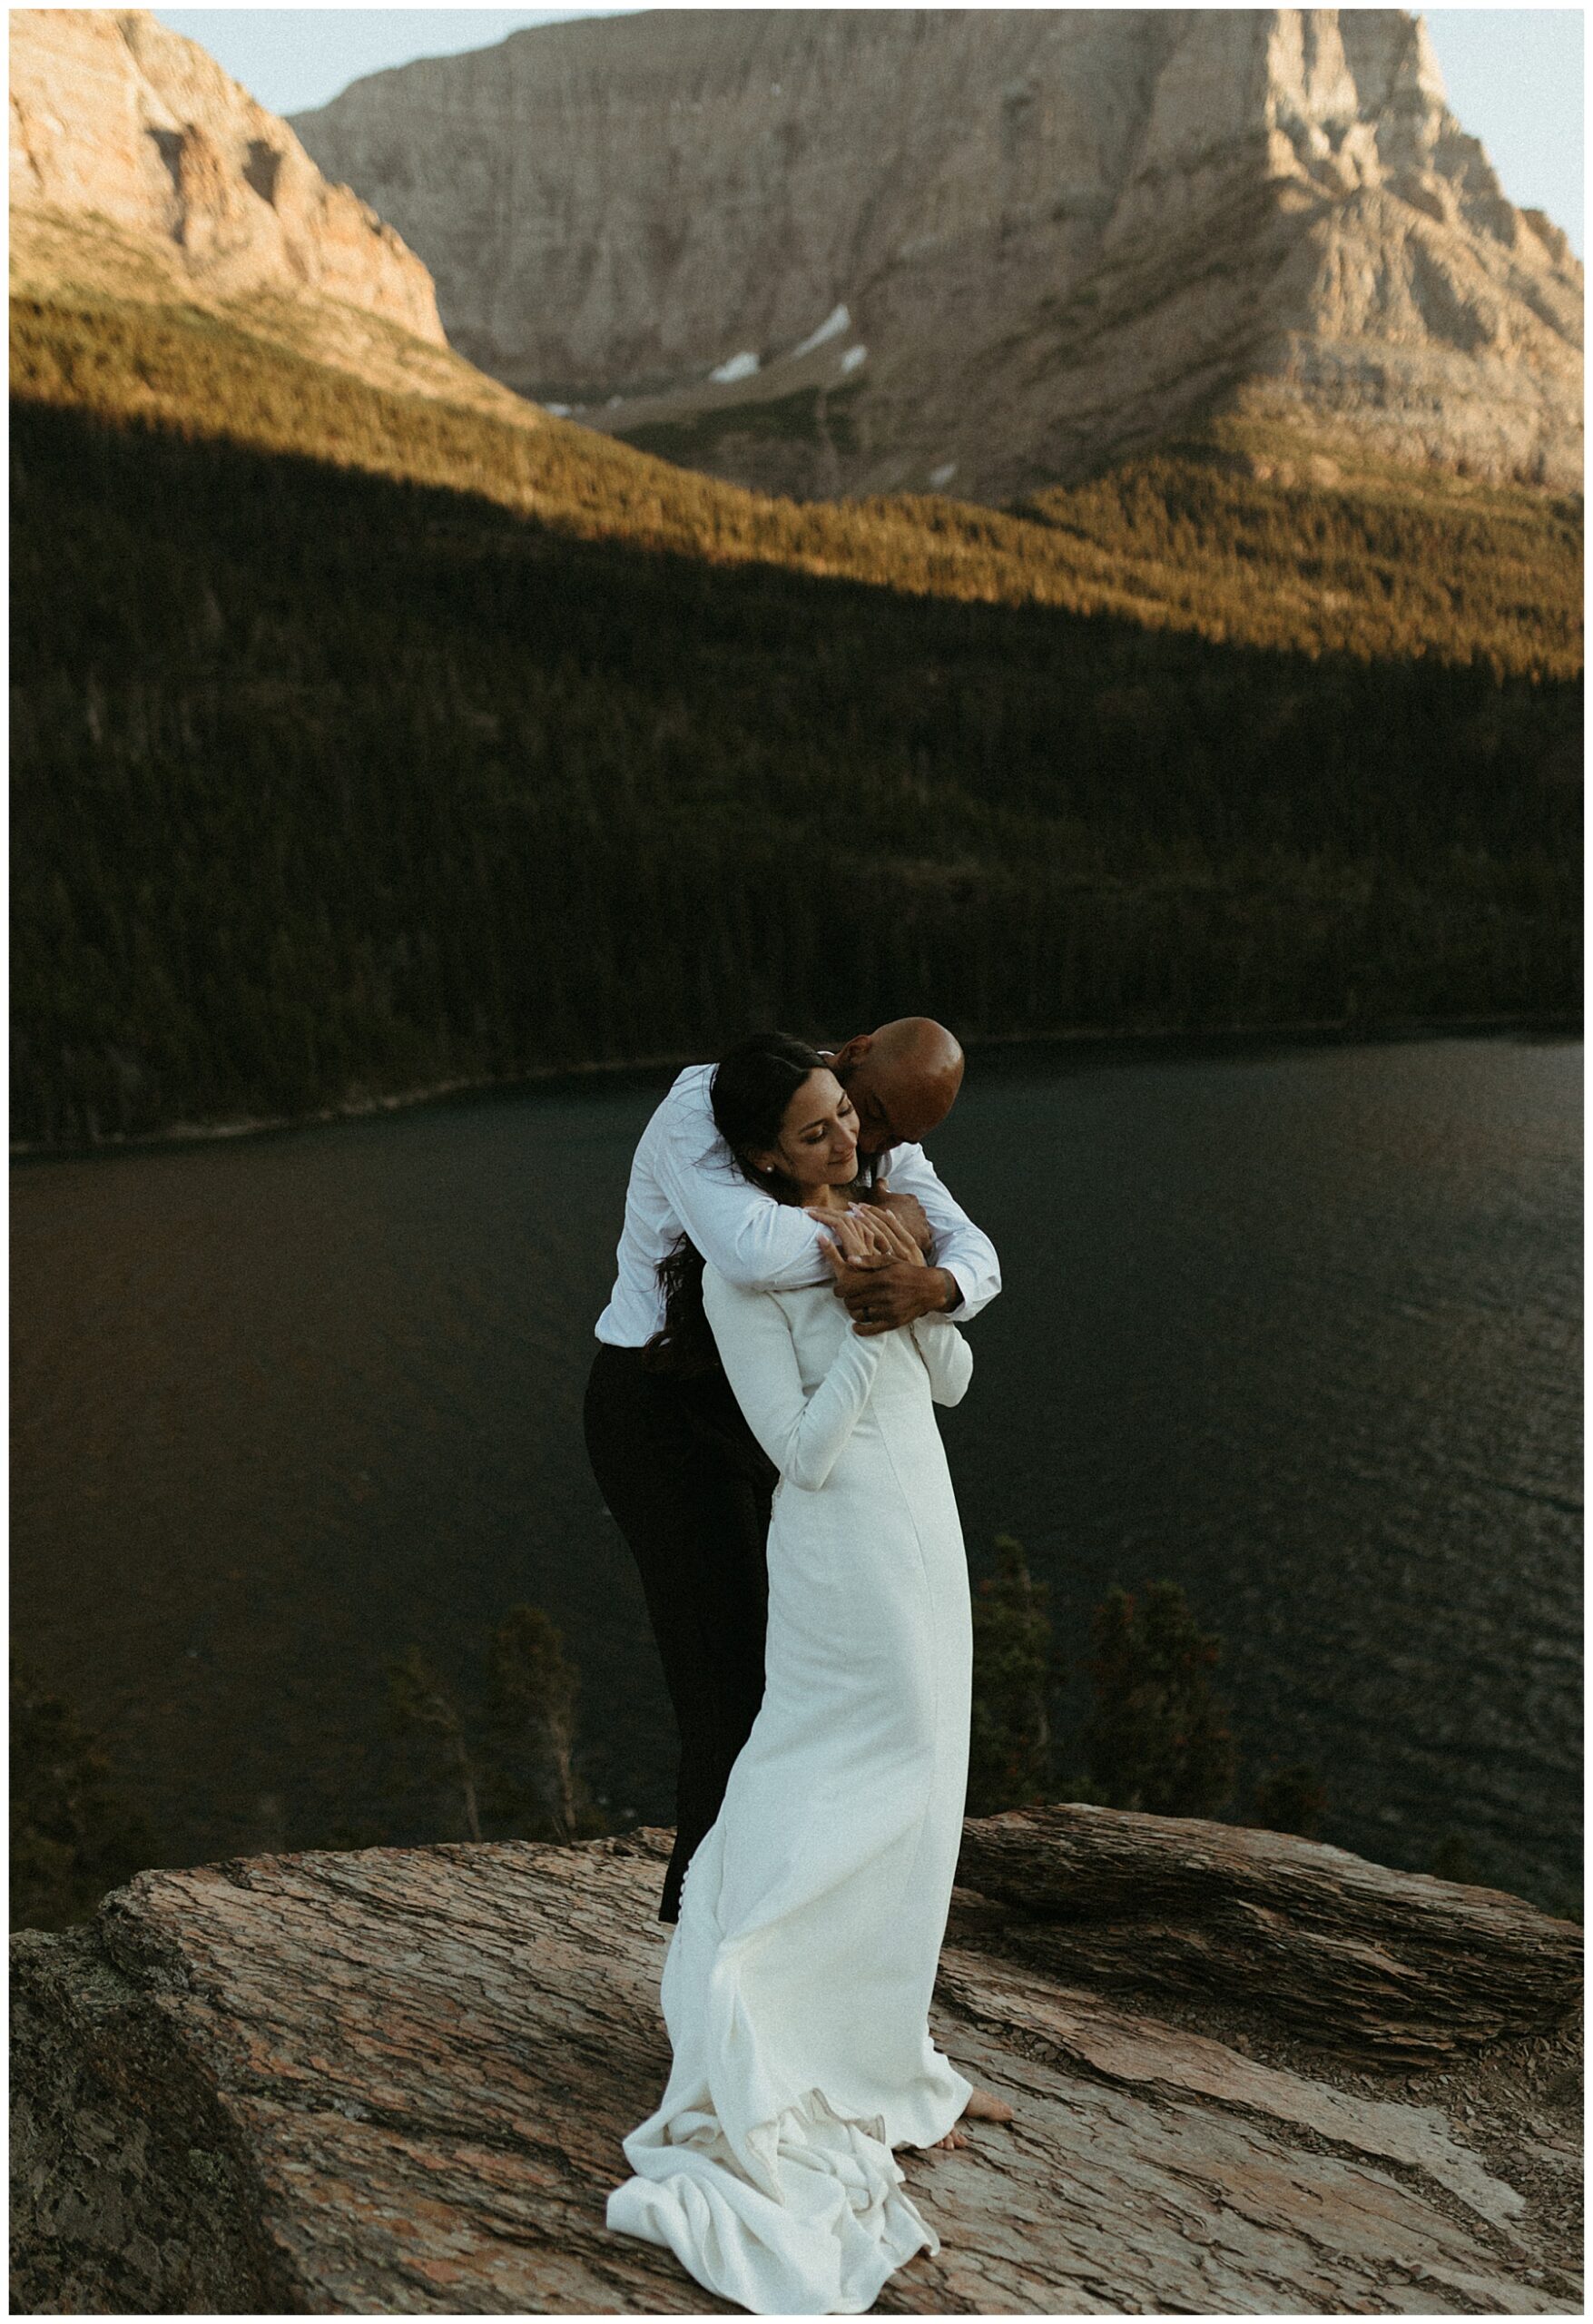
1295 1326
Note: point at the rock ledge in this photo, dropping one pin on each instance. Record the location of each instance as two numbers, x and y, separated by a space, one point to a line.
1253 2075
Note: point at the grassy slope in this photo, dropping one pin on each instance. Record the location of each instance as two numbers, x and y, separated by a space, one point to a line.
364 739
109 279
1380 563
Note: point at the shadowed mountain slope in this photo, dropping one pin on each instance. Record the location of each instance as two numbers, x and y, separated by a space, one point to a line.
375 732
364 743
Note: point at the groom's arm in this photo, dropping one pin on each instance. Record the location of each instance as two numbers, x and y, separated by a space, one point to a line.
962 1251
756 1243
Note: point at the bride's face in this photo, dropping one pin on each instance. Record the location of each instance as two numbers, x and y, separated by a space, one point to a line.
817 1135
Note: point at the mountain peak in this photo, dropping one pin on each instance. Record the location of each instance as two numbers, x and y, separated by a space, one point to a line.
116 119
1056 235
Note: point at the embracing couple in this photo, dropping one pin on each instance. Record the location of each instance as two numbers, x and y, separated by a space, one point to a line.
791 1278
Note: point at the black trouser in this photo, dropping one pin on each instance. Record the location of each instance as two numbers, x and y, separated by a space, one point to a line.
690 1488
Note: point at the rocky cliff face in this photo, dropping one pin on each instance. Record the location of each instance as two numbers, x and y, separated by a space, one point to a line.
848 249
120 125
1253 2074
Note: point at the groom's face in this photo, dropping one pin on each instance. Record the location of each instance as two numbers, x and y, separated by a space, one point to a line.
876 1130
894 1108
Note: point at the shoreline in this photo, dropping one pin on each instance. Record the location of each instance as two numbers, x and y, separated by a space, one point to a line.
1309 1030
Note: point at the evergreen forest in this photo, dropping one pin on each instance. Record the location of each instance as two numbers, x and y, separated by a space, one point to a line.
364 743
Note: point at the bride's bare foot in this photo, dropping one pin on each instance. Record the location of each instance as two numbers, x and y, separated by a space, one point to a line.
984 2106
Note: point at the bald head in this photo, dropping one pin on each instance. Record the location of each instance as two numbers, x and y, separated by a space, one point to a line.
903 1079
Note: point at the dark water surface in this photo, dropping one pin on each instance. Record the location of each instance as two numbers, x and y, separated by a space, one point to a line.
1294 1325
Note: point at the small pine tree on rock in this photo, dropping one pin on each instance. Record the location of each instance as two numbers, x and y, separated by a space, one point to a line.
421 1704
72 1837
1009 1744
1455 1858
512 1766
530 1727
1289 1800
1157 1736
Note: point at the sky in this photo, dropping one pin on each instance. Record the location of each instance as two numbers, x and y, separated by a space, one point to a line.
1514 76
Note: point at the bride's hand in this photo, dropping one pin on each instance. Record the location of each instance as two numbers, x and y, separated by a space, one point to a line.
904 1245
860 1235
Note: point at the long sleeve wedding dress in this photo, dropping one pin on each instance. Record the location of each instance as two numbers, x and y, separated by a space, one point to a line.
797 1983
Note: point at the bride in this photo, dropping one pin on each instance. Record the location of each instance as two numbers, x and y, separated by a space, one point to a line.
797 1983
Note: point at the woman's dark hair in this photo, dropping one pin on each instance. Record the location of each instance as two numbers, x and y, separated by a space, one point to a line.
752 1085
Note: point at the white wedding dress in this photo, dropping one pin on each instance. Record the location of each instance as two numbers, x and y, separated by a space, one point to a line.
797 1983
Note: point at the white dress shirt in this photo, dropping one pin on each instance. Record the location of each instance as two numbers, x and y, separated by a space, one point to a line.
684 1180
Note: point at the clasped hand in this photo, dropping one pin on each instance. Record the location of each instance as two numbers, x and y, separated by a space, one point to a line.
879 1264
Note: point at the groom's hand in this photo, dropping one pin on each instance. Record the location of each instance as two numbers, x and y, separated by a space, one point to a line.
881 1299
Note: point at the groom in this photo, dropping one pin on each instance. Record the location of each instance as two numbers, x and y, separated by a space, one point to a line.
678 1468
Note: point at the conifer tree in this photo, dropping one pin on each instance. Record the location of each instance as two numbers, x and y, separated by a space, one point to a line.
73 1836
1157 1736
1292 1798
1009 1744
420 1703
510 1761
358 747
530 1725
